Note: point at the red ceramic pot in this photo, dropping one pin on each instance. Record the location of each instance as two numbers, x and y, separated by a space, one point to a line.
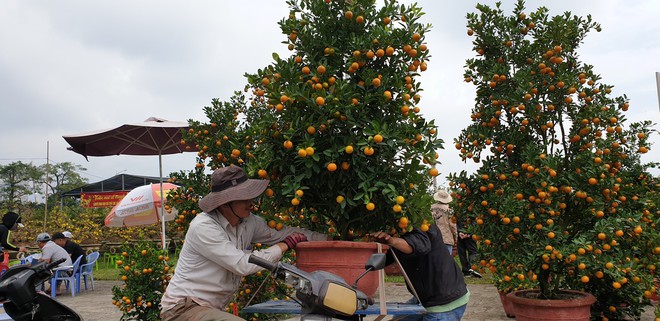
507 305
577 308
343 258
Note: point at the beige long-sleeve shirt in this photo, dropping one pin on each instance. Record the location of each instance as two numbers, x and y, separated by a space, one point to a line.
215 255
442 218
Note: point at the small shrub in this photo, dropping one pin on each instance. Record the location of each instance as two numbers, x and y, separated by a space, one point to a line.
146 274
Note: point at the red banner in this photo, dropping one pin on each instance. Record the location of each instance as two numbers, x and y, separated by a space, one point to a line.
101 199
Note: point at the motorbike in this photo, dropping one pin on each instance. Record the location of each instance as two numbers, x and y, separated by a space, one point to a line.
22 301
321 294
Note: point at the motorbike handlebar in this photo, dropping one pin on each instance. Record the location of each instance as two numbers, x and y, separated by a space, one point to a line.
262 262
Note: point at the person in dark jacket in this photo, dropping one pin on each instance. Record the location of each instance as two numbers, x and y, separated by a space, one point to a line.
71 247
434 274
467 251
10 222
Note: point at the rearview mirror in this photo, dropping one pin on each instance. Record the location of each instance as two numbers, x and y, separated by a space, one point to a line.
376 262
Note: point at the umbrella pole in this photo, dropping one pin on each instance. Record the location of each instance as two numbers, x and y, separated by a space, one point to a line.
162 200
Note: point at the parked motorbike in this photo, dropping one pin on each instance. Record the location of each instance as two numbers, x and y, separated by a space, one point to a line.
321 294
24 303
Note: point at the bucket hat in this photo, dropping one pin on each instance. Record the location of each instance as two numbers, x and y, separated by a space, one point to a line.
231 184
442 196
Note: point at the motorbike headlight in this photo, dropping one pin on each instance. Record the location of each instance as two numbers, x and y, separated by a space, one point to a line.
339 298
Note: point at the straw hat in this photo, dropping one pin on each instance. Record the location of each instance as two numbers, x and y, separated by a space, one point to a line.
442 196
231 184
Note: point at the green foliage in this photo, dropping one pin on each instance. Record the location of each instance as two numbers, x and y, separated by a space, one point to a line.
16 179
561 198
146 273
260 287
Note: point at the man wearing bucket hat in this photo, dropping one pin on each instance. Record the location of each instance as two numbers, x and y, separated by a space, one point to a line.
10 222
441 215
216 249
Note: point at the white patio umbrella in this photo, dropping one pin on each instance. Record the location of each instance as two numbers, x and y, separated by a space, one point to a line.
154 136
141 206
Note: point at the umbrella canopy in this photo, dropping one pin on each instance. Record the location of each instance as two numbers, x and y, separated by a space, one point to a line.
154 136
141 206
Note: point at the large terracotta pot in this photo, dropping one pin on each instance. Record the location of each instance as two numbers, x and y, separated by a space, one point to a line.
576 309
393 270
343 258
507 305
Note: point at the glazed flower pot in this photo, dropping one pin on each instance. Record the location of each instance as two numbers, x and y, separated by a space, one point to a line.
576 307
343 258
507 305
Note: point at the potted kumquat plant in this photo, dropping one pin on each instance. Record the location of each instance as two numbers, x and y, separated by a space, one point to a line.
562 197
336 127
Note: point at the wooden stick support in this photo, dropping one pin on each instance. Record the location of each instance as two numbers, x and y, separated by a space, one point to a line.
381 290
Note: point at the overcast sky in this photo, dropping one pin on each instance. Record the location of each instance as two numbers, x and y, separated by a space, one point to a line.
69 67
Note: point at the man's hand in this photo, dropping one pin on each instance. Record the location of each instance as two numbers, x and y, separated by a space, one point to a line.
381 237
395 242
294 239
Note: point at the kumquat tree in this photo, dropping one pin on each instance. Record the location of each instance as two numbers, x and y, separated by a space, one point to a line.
336 127
145 272
562 199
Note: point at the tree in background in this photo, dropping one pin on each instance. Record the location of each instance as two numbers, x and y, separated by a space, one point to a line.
562 198
61 178
17 181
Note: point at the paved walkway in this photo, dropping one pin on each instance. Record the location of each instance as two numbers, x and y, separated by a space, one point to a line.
484 302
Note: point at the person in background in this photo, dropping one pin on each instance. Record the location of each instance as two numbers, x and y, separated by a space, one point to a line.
51 252
68 235
71 247
433 273
442 217
10 222
217 246
467 251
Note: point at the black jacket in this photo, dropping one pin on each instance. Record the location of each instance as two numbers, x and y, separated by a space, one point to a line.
9 220
433 272
75 251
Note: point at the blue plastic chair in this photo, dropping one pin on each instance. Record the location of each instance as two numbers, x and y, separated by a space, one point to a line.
87 270
62 274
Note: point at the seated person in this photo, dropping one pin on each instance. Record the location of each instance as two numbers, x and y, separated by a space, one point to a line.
71 247
51 252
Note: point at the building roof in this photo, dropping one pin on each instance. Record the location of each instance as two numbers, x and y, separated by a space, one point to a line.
120 182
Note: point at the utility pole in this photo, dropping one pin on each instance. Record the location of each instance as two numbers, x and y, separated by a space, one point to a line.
657 82
46 184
